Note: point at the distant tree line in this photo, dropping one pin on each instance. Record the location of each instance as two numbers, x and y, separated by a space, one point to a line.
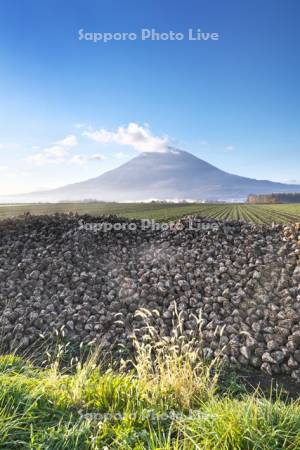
274 198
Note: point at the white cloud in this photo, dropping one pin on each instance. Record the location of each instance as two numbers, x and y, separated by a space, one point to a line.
82 160
96 157
78 159
38 159
230 148
57 151
43 158
137 136
3 168
55 154
68 141
1 146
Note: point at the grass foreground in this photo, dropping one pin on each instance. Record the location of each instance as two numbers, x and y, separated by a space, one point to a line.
90 409
167 398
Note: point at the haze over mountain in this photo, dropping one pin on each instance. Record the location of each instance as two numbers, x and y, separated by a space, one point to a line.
171 175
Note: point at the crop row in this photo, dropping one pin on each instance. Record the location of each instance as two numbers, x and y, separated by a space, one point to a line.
261 214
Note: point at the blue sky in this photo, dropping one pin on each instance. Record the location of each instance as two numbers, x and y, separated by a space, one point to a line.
66 104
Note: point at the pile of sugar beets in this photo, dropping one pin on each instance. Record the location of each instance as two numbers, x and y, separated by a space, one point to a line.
243 279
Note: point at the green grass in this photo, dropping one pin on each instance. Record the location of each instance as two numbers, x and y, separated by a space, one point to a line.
170 398
159 211
92 409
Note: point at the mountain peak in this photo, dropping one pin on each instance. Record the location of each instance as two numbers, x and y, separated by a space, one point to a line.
174 174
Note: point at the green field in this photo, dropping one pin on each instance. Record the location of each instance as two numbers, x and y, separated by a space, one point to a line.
281 213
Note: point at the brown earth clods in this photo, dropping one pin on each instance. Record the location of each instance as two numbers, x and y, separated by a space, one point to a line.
244 281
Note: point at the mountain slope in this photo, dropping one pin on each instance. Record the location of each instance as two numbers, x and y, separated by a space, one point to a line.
174 175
